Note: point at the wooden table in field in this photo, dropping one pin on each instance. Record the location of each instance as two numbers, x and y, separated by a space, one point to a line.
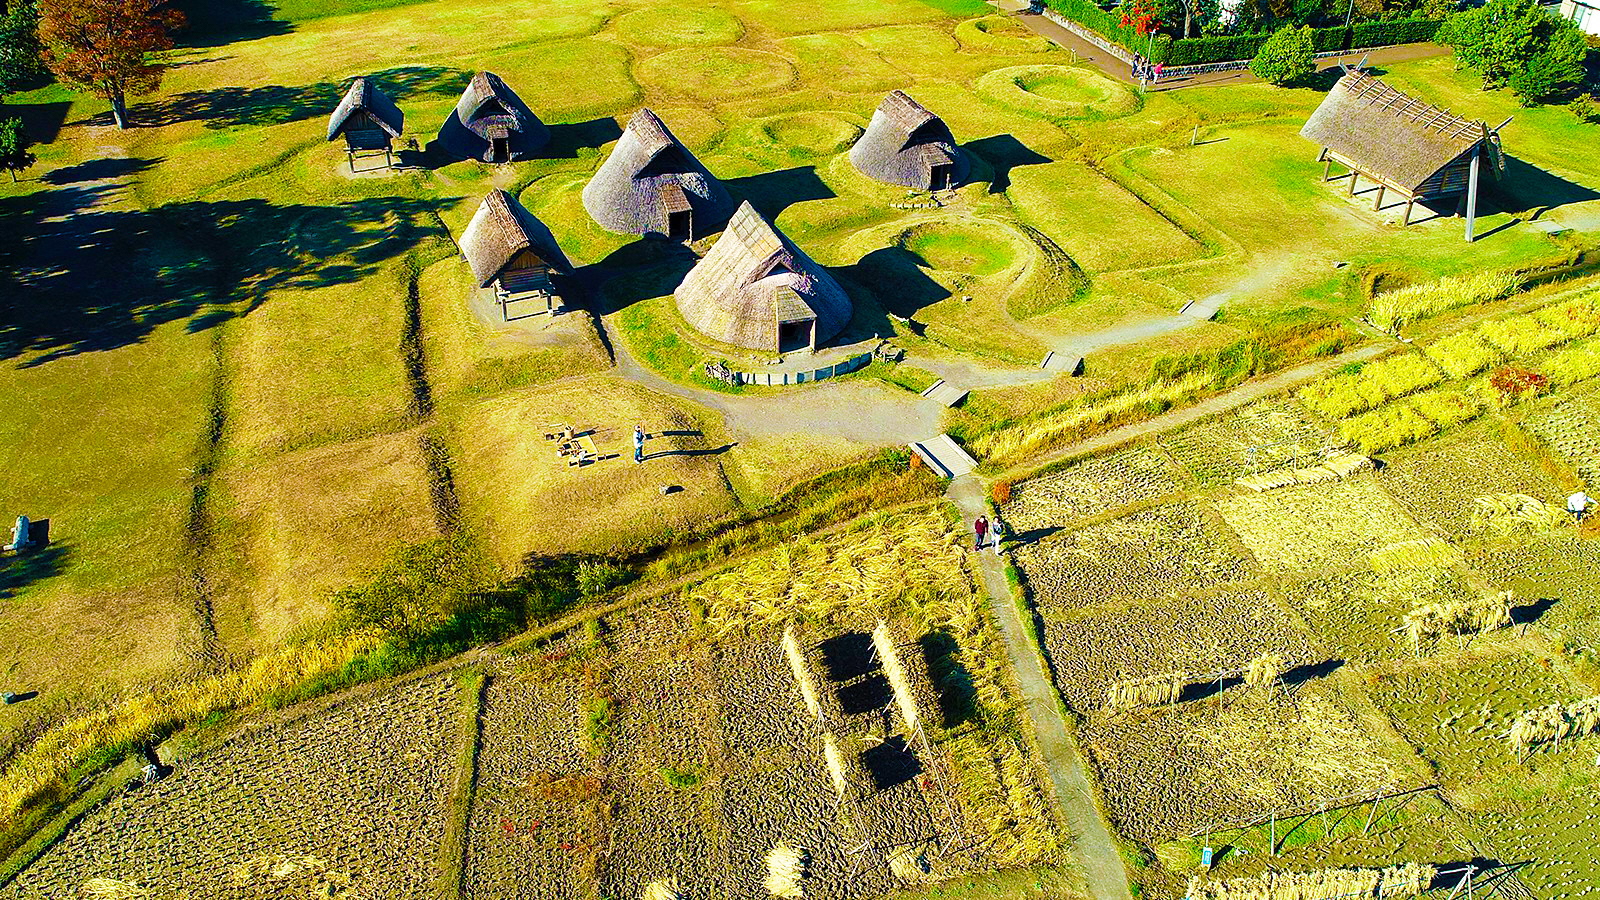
586 448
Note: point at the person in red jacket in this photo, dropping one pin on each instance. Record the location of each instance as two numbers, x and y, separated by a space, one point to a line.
981 527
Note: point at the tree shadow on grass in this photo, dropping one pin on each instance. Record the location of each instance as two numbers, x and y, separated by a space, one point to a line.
80 278
98 170
773 192
42 121
1003 153
214 23
275 104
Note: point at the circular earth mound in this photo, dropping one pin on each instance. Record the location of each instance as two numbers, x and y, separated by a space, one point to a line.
717 73
679 26
1059 91
961 248
1000 34
813 133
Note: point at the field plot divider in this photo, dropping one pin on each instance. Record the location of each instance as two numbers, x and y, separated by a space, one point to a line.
455 843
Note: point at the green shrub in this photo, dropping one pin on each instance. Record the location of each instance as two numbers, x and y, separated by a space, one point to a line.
1393 31
1286 57
1585 109
680 778
1109 25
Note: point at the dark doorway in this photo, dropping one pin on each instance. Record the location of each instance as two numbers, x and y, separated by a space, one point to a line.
795 335
942 175
891 763
499 149
680 225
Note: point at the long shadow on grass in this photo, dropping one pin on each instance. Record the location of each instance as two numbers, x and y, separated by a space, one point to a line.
78 278
958 699
902 285
42 121
276 104
214 23
1525 186
567 139
98 170
646 268
773 192
17 571
1003 153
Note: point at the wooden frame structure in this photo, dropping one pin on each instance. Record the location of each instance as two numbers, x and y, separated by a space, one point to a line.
513 252
369 122
1403 145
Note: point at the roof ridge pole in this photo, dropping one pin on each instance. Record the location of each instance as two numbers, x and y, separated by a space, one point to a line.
1472 191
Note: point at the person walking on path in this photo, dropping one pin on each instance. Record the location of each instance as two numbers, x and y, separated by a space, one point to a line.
997 532
980 527
1578 506
638 444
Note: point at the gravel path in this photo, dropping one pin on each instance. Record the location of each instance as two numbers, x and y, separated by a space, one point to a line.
1102 863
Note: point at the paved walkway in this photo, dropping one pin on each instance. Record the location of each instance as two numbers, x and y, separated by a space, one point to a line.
1116 68
1102 863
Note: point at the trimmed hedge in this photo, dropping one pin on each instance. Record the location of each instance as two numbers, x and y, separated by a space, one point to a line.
1199 51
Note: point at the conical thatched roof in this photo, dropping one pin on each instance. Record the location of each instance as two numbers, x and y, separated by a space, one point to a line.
649 172
1391 136
499 231
364 96
904 144
753 279
487 110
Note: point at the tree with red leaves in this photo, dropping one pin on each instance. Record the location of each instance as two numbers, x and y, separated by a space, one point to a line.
1143 16
106 45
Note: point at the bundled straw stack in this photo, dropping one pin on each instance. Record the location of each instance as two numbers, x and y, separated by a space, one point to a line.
664 889
786 868
1265 670
1336 466
1155 690
1504 514
1549 724
1458 617
1407 880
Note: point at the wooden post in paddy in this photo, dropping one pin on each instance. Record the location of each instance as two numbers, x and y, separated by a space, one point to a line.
1472 194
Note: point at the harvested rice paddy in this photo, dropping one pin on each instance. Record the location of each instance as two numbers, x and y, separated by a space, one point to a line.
1309 527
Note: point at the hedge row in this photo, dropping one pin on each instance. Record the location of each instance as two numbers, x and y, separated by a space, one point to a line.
1226 48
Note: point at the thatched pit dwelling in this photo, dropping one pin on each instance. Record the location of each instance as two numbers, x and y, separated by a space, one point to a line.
1403 144
905 144
367 119
756 289
510 250
492 124
652 184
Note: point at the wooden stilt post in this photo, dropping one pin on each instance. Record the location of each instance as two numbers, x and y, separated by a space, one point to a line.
1407 219
1326 165
1472 195
1354 177
1377 203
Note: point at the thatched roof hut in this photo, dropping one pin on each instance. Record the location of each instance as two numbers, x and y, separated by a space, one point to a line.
1403 144
652 184
503 238
906 144
491 123
366 116
755 289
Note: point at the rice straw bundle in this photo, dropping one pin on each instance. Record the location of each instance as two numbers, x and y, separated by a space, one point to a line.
802 673
1458 617
662 889
1411 556
835 761
1155 690
1265 670
786 868
1407 880
1347 464
1549 724
1505 514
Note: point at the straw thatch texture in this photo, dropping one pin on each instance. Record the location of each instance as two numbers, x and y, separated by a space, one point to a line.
905 143
755 278
500 231
649 173
365 97
1392 137
489 109
889 655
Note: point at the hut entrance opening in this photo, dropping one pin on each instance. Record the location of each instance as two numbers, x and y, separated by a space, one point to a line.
794 336
499 144
679 214
943 175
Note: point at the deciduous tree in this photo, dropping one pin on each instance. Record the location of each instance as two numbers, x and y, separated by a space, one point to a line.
21 56
106 45
1518 44
1286 57
14 143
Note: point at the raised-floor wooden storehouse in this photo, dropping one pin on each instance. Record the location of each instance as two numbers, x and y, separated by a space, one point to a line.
652 184
367 120
756 289
906 144
492 124
513 252
1403 145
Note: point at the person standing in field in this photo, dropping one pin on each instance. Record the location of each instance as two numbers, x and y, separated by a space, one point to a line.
638 444
980 527
997 531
